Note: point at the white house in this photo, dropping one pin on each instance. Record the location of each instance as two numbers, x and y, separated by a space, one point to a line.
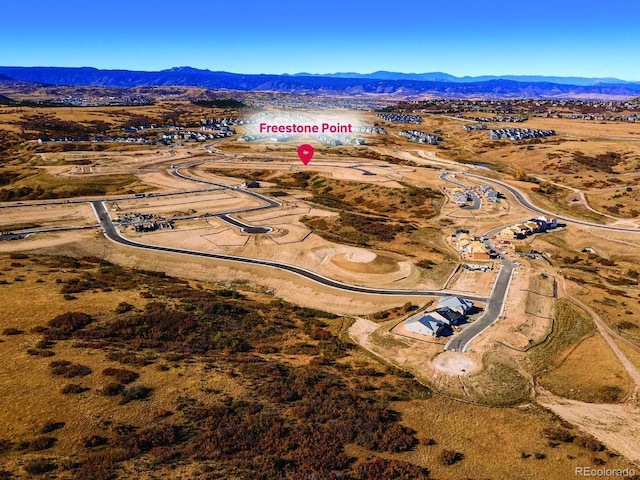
456 304
425 324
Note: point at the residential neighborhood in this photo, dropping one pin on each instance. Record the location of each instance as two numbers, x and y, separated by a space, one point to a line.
529 227
400 118
515 134
418 136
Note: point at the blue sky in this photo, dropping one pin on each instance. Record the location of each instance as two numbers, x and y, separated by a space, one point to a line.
460 37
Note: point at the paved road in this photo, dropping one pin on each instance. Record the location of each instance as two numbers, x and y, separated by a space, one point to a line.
244 227
493 310
112 233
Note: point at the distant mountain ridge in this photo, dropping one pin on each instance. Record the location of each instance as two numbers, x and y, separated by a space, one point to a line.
438 84
445 77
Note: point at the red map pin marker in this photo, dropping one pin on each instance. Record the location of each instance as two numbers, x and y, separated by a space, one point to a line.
305 152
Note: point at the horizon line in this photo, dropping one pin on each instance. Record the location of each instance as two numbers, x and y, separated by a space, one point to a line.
301 73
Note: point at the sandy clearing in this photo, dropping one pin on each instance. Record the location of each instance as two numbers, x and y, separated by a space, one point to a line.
360 256
212 203
361 330
166 183
287 233
73 214
380 264
454 363
480 283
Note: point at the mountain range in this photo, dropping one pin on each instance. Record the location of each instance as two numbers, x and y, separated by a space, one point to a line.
391 83
445 77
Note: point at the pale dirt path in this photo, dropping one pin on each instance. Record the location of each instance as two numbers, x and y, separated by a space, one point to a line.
581 197
360 332
615 425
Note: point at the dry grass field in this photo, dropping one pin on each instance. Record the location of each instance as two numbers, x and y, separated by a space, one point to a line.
82 434
574 377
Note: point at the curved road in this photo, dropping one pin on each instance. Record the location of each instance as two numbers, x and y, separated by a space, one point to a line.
112 233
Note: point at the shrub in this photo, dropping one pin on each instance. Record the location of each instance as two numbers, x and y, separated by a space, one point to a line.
136 392
12 331
73 388
69 370
558 434
539 456
449 457
144 440
50 426
99 465
123 307
122 375
383 469
112 389
90 441
425 263
39 466
42 443
40 353
71 321
318 333
588 442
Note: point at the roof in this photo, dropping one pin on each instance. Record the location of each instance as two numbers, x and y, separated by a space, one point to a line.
449 314
456 304
477 246
424 324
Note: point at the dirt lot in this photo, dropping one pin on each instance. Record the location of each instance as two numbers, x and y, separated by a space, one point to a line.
76 214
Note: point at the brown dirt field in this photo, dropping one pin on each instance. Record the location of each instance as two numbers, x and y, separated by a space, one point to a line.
76 214
576 378
199 203
478 282
517 328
